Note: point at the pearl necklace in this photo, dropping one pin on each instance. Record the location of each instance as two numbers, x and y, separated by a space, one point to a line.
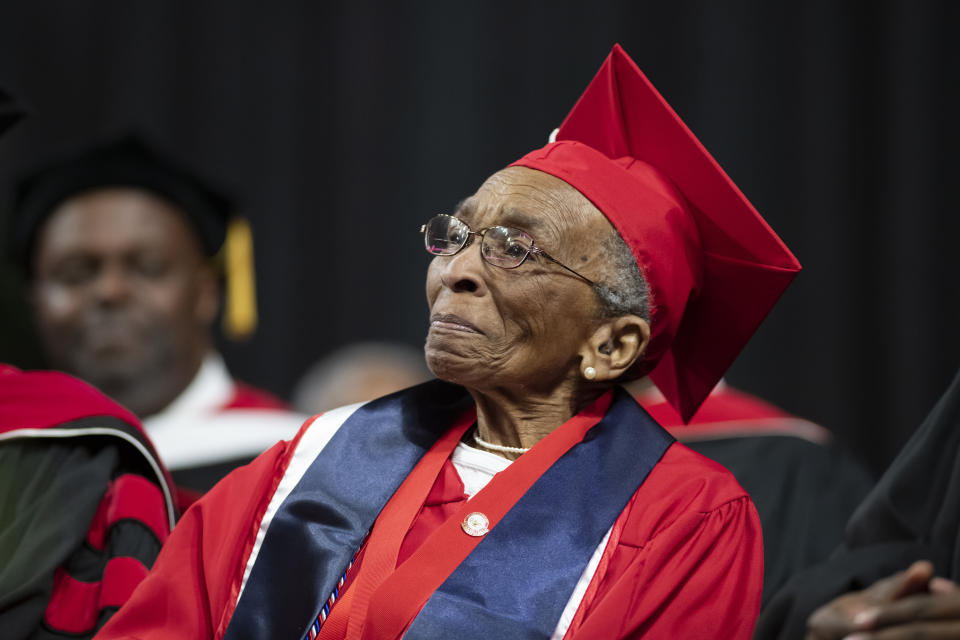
497 447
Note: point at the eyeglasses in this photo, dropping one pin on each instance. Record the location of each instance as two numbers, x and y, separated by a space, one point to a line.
503 247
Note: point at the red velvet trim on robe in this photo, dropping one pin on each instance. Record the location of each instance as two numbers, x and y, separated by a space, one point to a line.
75 606
129 497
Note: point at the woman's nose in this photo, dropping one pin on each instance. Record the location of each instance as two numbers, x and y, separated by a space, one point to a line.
464 272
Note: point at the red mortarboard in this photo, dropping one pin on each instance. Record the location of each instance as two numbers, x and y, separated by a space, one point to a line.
714 266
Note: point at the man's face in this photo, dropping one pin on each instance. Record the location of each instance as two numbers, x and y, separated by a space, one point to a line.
123 295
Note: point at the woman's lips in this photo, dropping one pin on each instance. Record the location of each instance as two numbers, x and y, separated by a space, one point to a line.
452 322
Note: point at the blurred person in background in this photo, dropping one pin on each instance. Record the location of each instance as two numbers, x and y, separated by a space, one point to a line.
895 575
85 503
357 373
124 251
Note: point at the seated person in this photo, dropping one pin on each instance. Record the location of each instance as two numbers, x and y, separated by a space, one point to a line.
84 502
84 505
523 494
881 582
120 247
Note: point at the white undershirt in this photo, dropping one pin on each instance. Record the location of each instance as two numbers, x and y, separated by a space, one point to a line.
475 467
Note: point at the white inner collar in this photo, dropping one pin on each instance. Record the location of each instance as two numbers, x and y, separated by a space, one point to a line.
475 467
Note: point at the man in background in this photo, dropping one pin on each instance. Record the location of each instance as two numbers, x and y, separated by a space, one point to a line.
895 574
84 501
124 253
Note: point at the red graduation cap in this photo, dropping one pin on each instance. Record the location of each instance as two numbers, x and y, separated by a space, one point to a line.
714 266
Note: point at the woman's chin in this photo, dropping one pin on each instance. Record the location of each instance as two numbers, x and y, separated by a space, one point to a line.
459 369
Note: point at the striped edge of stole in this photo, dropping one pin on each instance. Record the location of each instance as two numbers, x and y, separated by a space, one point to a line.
325 610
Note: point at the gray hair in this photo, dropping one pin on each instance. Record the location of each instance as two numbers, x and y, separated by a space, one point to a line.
625 291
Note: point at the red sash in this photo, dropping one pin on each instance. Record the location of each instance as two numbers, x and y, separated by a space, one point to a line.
396 594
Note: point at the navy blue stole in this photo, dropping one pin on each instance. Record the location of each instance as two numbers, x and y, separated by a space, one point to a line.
514 584
321 524
517 581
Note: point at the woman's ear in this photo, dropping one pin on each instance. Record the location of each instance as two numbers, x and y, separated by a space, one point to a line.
613 347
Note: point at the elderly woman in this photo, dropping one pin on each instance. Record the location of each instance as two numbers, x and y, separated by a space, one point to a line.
523 494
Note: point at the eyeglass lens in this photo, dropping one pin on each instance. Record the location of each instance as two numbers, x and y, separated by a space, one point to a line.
445 235
505 247
501 246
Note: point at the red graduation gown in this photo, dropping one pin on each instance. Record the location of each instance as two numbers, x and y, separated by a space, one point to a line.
684 558
616 606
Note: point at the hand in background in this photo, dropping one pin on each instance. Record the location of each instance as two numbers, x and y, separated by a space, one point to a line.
910 604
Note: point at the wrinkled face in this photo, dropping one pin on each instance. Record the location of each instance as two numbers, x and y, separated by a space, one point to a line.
123 295
496 328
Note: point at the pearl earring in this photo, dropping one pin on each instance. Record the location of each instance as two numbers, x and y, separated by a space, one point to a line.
589 373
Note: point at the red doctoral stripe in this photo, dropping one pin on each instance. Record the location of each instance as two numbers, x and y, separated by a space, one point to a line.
129 497
75 605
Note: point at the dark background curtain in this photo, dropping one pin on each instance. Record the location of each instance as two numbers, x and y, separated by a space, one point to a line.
342 126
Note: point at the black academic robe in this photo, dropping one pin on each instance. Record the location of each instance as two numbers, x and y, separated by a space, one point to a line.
84 506
913 513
